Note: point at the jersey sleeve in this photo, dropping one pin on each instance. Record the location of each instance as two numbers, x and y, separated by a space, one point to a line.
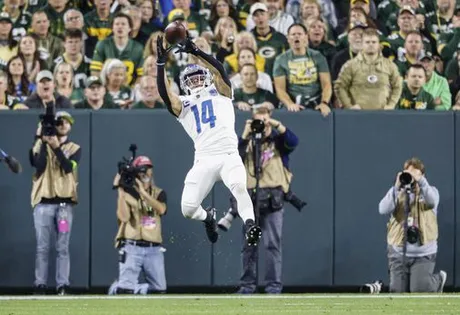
98 57
278 70
183 100
322 63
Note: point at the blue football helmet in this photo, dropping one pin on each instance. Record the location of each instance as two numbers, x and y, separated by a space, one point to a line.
195 78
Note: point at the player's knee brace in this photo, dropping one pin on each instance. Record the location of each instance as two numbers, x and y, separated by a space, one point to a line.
189 209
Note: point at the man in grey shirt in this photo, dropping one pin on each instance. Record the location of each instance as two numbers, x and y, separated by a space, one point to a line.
422 235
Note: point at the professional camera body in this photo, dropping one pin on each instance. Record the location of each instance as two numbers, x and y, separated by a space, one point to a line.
48 121
128 172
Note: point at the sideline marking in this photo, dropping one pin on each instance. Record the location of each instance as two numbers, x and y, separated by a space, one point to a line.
224 297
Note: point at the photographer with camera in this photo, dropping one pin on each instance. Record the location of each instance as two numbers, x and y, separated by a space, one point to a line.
412 231
141 204
54 193
272 142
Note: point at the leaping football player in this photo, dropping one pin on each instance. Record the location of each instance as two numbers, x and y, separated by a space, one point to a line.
206 113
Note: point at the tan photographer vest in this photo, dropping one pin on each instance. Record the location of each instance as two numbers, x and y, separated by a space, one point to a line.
274 174
54 182
424 217
141 224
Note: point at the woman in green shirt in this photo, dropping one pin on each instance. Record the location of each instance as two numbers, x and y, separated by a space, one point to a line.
114 78
63 76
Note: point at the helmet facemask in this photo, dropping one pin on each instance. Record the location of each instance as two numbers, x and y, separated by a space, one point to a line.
194 79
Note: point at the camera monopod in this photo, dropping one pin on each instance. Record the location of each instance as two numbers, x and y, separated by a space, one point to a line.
407 190
257 127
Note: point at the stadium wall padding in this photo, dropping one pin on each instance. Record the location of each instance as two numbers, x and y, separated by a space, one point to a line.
343 166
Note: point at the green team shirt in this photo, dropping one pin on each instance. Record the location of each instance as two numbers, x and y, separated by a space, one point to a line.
141 105
124 94
404 64
132 56
423 100
85 105
448 44
326 49
32 6
56 20
97 28
77 96
80 74
397 42
438 25
21 25
342 43
255 99
50 48
302 75
270 46
388 12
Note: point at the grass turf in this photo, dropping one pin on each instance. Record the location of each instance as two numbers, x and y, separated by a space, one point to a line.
234 305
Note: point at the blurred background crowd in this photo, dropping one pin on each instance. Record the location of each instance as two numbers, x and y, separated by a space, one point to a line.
293 54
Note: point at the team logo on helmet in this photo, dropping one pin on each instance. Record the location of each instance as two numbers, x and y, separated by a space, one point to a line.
195 78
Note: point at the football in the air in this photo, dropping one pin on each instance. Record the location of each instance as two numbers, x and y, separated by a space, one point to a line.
175 32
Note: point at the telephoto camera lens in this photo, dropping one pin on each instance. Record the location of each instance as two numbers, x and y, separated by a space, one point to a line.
405 178
257 126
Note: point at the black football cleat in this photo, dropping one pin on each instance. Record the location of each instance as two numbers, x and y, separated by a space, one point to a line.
253 234
211 225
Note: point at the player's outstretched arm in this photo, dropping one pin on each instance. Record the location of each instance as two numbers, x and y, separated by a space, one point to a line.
171 99
222 82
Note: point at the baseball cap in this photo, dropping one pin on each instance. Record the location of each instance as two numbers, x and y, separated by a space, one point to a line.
176 14
44 74
407 8
142 161
427 55
93 80
5 17
65 115
357 24
354 1
258 6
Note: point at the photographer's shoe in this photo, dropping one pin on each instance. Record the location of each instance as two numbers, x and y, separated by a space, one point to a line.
443 275
211 225
226 222
253 233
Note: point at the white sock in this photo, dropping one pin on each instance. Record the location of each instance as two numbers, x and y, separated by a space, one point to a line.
200 214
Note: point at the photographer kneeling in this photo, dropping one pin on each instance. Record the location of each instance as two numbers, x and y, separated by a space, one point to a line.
273 143
54 193
412 231
140 207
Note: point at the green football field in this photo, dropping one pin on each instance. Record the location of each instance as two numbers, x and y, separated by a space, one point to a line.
232 304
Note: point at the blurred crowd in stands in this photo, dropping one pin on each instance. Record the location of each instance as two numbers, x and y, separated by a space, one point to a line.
292 54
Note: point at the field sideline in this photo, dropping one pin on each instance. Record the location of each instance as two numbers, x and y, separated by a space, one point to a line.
231 304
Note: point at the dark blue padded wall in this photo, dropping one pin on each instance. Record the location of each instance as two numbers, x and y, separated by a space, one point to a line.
159 136
370 149
343 166
16 216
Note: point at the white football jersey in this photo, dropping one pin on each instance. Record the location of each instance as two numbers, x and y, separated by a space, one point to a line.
209 119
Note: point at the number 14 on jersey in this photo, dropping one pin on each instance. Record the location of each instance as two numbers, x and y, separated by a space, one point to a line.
207 115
